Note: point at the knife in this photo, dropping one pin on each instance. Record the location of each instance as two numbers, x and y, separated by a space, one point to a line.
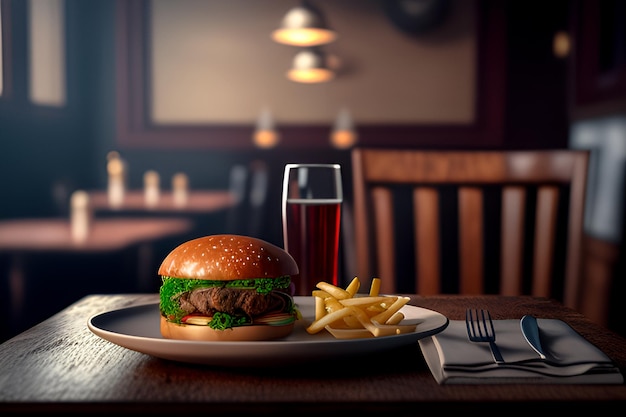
530 330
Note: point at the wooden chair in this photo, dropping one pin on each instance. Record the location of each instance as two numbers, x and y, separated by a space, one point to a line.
516 216
237 183
257 198
250 185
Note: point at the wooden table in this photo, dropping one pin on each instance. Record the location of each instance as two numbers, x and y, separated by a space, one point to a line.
208 209
29 237
199 202
60 366
53 234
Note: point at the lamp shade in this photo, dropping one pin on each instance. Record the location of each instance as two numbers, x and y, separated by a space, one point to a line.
310 66
304 25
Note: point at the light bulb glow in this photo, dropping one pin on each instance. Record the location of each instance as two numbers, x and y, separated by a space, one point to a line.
315 75
304 37
266 138
343 139
561 44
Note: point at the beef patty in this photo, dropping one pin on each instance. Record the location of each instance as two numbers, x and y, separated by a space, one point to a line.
230 300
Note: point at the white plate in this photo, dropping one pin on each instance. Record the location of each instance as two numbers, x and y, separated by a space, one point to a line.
137 328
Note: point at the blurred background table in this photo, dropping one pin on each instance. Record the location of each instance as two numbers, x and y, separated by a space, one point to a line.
32 235
198 201
42 257
207 209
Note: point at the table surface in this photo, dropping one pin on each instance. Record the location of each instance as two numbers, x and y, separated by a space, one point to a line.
54 234
199 201
60 365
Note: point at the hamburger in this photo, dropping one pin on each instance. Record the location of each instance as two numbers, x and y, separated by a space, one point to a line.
227 287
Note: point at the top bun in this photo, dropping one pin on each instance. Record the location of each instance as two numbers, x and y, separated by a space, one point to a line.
227 257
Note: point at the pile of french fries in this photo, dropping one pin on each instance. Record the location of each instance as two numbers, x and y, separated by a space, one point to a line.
338 309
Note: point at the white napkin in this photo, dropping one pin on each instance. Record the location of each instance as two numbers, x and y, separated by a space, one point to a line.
453 359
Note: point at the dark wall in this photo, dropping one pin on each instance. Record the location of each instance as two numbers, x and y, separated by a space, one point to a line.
537 106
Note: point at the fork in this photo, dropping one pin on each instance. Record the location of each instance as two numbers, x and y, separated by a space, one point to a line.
480 329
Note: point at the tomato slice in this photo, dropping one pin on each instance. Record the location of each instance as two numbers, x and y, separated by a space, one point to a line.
196 319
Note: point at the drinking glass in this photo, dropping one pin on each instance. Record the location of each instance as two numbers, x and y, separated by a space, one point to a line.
311 211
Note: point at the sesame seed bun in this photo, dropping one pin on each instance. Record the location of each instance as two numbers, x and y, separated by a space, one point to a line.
227 257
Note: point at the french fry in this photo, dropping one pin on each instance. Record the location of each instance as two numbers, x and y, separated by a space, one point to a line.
332 304
338 293
341 325
384 316
363 319
364 301
347 315
320 308
354 286
320 294
318 325
396 318
374 310
352 322
378 329
375 287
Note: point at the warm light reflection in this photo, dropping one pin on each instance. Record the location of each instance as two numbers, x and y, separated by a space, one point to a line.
304 37
115 167
266 138
116 186
343 139
151 182
79 216
343 135
180 187
561 44
265 135
310 75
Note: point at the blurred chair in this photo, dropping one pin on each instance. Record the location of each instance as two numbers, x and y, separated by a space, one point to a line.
237 184
504 222
347 245
249 183
259 181
60 191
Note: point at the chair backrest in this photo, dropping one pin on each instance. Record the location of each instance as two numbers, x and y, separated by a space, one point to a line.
259 187
514 215
250 185
237 185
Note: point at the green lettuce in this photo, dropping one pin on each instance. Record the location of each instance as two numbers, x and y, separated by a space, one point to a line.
173 288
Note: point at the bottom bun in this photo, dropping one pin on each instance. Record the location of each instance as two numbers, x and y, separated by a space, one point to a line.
171 330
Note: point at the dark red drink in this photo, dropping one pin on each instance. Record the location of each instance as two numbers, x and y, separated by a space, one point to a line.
312 238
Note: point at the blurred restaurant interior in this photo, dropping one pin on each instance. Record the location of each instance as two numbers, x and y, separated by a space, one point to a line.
196 96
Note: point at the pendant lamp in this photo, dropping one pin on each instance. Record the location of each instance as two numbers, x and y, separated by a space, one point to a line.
304 25
310 66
